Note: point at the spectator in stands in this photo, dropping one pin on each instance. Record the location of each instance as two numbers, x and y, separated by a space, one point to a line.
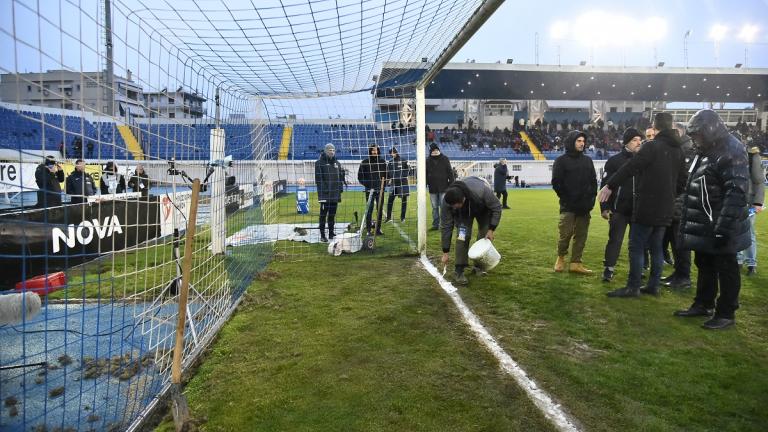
467 200
89 147
439 176
79 184
61 150
49 177
371 174
139 181
755 197
660 173
397 173
681 276
575 182
715 227
618 209
500 177
111 180
329 179
77 147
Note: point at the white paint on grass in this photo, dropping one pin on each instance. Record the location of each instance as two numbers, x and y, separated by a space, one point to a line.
551 410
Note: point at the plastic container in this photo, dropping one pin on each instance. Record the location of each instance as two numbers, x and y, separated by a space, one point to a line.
43 284
485 255
346 242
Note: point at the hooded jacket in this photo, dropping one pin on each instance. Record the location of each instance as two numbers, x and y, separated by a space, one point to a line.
372 171
480 201
439 172
659 170
397 172
574 178
329 179
715 206
622 200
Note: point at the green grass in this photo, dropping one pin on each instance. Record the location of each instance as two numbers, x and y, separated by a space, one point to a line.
366 342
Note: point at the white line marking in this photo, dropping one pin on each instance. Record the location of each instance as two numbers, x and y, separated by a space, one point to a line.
551 410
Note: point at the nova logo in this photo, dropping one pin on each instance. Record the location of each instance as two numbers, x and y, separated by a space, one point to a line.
84 231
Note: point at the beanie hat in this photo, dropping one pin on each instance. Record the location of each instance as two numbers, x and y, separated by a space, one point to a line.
393 150
629 134
433 147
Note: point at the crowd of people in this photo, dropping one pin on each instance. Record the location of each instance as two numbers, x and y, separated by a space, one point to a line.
79 184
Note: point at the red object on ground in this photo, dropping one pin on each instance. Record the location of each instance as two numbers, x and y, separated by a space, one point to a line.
43 284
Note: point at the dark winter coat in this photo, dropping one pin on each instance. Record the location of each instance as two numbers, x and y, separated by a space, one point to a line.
659 171
371 172
574 179
622 199
756 185
329 179
715 212
107 177
688 155
137 180
49 186
480 201
439 173
80 185
500 177
397 173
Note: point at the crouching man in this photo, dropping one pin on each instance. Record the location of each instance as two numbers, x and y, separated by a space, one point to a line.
465 201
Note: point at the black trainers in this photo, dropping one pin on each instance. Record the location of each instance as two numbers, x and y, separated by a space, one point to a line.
477 271
679 283
696 310
654 291
434 228
751 270
460 279
607 275
718 323
323 239
624 292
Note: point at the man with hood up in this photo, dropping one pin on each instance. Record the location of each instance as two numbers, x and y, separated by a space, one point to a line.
714 222
370 174
575 181
439 176
659 169
329 179
467 200
397 173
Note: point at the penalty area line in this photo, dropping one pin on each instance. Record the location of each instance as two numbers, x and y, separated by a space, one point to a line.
551 410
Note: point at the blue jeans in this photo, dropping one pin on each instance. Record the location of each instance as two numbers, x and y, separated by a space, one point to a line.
436 199
642 237
748 256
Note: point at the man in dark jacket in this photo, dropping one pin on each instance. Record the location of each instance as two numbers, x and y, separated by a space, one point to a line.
439 176
48 177
500 177
329 179
755 198
371 173
714 223
618 209
397 173
575 182
681 276
467 200
139 181
659 168
80 184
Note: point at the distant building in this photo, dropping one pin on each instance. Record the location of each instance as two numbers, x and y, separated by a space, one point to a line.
73 90
180 104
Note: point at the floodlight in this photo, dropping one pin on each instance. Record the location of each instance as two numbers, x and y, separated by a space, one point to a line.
748 33
717 32
559 30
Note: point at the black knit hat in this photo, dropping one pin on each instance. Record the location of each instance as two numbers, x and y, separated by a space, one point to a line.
433 147
629 134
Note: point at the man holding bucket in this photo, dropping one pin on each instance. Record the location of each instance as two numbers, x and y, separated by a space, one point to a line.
466 200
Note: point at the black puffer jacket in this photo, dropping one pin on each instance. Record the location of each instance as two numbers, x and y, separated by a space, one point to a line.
372 171
715 207
574 178
329 179
689 153
659 170
439 173
621 200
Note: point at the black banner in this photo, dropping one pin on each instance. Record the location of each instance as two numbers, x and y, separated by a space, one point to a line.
40 241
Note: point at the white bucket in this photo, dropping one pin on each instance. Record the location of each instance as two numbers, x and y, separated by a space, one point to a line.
346 242
485 255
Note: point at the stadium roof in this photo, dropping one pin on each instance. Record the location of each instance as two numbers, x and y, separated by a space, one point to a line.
509 81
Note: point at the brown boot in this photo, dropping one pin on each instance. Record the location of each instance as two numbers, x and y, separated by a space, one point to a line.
577 267
560 264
